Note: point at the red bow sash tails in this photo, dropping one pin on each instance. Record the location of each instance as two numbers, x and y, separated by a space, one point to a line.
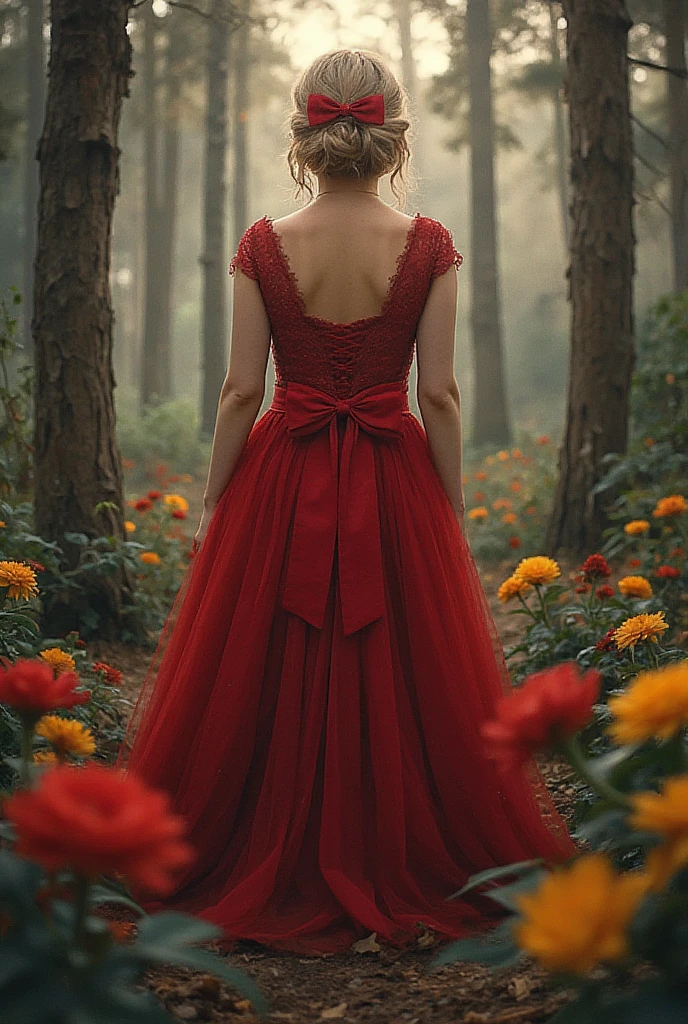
338 502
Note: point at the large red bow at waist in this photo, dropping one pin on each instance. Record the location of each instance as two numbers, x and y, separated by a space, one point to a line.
338 501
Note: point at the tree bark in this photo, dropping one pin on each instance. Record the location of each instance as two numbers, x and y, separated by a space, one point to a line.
491 420
214 257
559 131
77 463
677 102
35 91
239 47
409 77
601 268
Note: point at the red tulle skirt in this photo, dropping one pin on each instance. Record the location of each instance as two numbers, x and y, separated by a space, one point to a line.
334 785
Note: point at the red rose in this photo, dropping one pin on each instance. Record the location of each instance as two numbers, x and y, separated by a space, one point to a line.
143 505
668 572
30 688
96 820
595 566
154 495
549 706
112 675
178 513
604 591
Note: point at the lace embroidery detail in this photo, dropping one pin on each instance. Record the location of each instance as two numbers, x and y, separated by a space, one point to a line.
446 253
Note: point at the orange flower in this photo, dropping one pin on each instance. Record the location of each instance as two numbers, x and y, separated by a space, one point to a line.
501 503
478 513
515 542
509 517
481 475
531 510
478 495
543 439
128 463
516 486
672 505
502 456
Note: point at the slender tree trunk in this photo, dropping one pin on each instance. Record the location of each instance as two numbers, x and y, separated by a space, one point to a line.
677 101
77 463
601 270
239 47
214 258
35 91
491 422
559 130
404 12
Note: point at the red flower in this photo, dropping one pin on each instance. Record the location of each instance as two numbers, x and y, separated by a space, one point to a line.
154 495
668 572
549 706
96 820
595 566
677 553
174 478
79 643
112 675
606 643
30 688
633 563
143 505
178 513
36 566
604 591
583 589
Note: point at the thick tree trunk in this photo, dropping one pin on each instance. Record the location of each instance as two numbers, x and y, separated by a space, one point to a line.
214 258
677 101
491 422
601 269
35 91
559 130
77 463
239 47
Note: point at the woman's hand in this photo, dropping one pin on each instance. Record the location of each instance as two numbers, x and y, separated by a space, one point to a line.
199 536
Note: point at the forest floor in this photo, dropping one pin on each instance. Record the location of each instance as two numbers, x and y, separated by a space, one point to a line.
383 986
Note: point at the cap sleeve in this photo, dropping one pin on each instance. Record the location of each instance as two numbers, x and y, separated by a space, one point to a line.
445 253
245 256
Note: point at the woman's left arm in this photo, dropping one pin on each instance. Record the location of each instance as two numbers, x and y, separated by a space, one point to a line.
242 392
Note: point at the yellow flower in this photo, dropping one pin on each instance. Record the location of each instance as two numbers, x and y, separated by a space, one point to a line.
636 527
150 557
2 524
666 814
639 627
59 660
635 586
579 915
655 704
45 757
176 501
511 587
509 517
20 578
66 735
673 505
129 526
186 478
478 513
490 460
537 570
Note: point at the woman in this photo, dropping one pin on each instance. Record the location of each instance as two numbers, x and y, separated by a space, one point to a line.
331 657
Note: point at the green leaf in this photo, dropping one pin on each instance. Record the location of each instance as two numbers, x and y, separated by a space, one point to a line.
175 928
495 954
506 895
101 894
492 874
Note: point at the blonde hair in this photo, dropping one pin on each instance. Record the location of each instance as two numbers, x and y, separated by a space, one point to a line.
347 147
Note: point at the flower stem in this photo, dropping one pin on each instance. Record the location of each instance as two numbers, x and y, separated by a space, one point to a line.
82 887
581 763
26 749
527 607
542 605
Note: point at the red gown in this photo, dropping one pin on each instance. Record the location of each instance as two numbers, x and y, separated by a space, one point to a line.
315 702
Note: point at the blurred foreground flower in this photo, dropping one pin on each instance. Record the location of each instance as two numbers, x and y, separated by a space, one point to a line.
654 705
665 813
31 687
96 820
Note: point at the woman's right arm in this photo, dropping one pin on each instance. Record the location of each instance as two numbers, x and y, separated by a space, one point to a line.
437 390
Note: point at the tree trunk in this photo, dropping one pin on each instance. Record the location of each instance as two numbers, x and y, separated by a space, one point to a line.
35 92
410 79
214 258
77 463
239 48
155 369
559 130
677 101
491 423
601 269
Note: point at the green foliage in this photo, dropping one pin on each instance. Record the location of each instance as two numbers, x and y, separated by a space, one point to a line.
168 432
659 400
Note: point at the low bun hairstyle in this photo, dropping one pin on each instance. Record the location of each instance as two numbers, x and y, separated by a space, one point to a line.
347 147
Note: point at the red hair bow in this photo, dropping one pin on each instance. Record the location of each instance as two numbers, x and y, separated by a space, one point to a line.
322 108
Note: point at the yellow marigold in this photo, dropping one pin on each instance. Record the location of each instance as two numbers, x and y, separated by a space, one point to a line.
537 570
501 503
44 757
655 704
502 456
129 526
579 915
176 501
639 627
511 587
66 735
3 524
509 517
635 586
478 513
59 660
490 460
150 557
20 578
665 813
673 505
186 478
636 527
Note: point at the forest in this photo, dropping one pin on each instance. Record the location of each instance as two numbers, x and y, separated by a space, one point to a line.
138 143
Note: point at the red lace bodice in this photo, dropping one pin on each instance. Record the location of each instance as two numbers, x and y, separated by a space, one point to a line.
342 359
